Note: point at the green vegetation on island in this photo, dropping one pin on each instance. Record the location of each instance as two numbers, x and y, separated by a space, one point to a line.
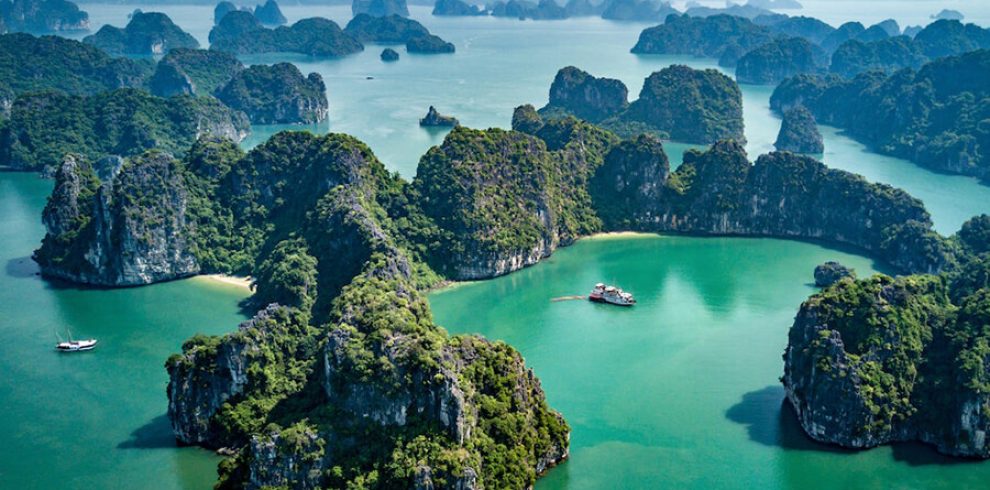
677 102
151 33
934 116
799 133
45 126
193 72
380 8
241 33
276 94
885 359
41 16
30 64
723 37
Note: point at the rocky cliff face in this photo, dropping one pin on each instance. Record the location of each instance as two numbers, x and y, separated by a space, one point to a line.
277 94
784 195
433 118
886 360
799 133
135 224
377 366
577 92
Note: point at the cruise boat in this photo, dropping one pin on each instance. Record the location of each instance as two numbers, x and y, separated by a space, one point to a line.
76 345
611 295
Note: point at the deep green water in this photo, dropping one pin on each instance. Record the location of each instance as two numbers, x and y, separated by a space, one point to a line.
679 391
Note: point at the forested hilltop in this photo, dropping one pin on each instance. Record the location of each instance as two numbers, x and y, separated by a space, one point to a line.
935 116
60 96
768 49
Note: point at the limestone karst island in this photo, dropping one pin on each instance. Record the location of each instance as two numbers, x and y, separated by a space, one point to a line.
495 245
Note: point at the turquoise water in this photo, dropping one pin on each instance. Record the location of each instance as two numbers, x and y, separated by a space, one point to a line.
680 391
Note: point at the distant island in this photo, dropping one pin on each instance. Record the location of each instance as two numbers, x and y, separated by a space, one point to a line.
923 131
241 33
669 105
42 16
433 118
380 8
150 33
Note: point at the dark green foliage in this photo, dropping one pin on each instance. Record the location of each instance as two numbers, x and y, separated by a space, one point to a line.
936 116
975 234
41 16
276 94
950 37
45 126
29 63
889 54
845 32
630 180
429 44
393 29
779 59
799 133
692 106
146 33
208 70
287 276
711 37
525 119
240 32
579 93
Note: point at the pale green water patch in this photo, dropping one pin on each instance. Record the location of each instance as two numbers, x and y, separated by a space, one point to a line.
94 419
682 389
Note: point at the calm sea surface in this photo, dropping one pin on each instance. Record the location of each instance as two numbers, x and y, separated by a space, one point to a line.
680 391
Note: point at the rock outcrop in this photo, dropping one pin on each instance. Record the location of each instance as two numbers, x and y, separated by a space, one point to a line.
723 37
241 33
193 72
637 10
377 362
887 360
389 55
780 59
42 16
277 94
577 92
129 241
456 8
389 29
783 195
380 8
429 44
269 14
799 133
222 9
45 126
912 115
434 119
34 64
693 106
831 272
151 33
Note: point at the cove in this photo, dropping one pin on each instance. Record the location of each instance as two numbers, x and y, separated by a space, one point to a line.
681 390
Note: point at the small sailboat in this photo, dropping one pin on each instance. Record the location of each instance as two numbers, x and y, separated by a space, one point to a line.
74 345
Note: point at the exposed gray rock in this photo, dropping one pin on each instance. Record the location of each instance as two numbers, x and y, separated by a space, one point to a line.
830 273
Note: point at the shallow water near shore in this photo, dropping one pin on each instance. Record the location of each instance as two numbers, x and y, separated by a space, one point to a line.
679 391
